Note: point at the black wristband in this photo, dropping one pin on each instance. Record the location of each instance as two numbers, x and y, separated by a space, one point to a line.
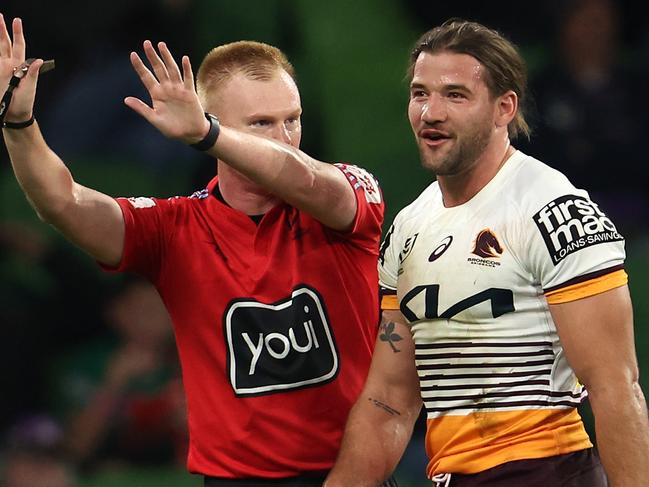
210 139
18 125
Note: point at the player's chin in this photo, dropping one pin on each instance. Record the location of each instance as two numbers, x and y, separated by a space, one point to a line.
431 164
432 158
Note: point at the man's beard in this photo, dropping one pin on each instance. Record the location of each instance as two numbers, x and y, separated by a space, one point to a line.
462 156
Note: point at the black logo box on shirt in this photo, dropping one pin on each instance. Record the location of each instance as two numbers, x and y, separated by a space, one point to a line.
281 346
571 223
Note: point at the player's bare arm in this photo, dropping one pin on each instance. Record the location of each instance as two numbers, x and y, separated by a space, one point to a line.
597 335
381 422
300 180
88 218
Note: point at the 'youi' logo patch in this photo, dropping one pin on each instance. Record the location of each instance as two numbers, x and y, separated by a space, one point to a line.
280 346
571 223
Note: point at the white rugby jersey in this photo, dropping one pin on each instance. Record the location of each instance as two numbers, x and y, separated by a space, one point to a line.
474 282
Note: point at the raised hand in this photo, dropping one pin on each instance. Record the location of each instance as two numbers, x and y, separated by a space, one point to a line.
176 110
12 55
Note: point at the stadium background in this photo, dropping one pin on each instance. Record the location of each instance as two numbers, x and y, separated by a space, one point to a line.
350 59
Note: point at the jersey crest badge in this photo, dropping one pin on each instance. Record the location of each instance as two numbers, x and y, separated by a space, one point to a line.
487 245
488 249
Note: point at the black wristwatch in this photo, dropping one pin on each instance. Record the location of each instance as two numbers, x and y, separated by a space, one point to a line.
213 133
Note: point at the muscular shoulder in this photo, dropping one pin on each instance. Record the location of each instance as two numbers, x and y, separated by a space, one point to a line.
534 184
160 211
420 208
559 232
361 179
402 233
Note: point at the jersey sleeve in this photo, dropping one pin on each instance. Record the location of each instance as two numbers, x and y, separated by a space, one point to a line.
389 262
147 230
370 207
574 249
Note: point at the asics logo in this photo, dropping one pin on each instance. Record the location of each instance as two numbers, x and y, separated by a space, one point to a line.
440 249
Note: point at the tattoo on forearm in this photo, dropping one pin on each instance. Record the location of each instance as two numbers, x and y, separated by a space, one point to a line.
389 336
385 407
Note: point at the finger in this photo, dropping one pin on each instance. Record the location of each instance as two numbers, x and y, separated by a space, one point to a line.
5 40
156 63
170 63
148 80
19 40
31 77
188 75
34 69
22 104
141 108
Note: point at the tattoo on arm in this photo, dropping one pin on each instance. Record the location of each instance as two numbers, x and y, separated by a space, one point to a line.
385 407
389 336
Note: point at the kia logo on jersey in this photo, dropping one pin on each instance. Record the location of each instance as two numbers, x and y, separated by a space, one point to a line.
281 346
487 245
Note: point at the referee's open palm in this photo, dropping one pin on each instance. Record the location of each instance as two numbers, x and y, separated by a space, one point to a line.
176 110
12 55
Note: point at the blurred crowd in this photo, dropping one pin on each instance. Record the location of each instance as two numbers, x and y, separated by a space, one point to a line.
89 378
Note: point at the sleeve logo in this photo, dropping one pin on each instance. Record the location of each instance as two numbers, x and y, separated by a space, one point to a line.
571 223
141 202
360 178
385 244
407 248
202 194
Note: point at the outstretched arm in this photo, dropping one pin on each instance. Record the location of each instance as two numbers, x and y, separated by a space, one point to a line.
88 218
380 423
597 335
313 186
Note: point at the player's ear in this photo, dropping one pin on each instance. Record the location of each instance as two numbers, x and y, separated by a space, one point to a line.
506 108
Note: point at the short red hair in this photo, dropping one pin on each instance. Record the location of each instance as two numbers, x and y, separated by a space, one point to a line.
255 60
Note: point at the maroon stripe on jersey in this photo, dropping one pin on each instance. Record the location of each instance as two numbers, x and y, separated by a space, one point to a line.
577 469
540 382
430 356
498 405
585 277
531 392
426 346
479 366
527 373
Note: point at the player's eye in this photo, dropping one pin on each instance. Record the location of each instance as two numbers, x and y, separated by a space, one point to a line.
292 123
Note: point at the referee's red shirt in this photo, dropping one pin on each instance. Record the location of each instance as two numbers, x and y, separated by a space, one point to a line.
275 323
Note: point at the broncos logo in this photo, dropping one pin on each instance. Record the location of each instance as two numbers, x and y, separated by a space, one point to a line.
487 245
